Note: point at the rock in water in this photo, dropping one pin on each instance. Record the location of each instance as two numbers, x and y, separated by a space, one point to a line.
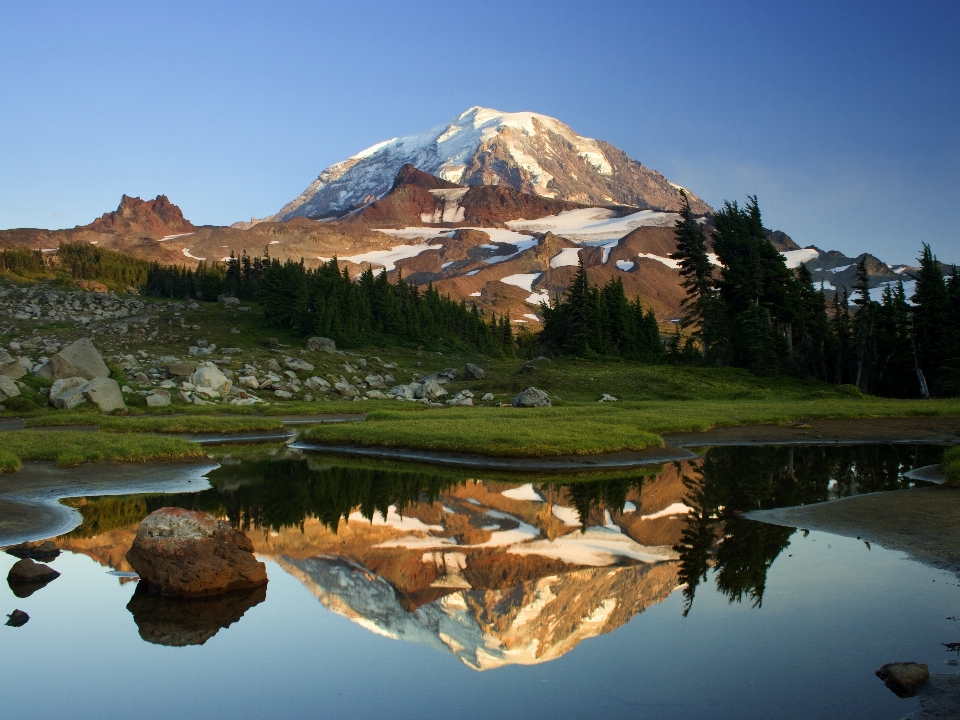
189 621
321 344
81 359
17 618
472 372
28 571
183 553
904 678
532 397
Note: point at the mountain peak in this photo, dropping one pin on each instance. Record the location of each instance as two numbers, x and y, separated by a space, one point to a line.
148 217
527 151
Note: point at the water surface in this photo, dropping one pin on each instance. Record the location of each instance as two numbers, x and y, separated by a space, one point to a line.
408 591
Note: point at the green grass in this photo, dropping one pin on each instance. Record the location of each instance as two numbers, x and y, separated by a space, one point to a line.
585 429
159 423
951 467
72 448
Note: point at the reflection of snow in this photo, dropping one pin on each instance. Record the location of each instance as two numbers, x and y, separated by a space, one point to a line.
524 492
660 259
674 509
567 515
395 521
596 547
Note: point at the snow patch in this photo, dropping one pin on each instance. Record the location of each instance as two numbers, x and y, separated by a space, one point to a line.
596 547
567 515
566 258
524 492
521 280
594 226
394 520
669 511
626 265
389 258
795 257
675 264
194 257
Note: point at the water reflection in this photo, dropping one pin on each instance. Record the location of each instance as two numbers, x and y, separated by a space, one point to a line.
497 569
189 621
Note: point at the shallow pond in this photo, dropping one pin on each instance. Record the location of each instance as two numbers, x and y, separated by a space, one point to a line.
411 591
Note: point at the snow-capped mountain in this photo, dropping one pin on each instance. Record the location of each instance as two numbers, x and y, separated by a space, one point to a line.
527 151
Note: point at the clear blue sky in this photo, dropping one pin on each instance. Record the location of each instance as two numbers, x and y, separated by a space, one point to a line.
843 117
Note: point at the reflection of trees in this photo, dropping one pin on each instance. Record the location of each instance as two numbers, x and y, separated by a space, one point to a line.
610 494
731 480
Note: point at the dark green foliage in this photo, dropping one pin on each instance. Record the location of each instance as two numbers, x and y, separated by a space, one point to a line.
21 260
78 261
591 321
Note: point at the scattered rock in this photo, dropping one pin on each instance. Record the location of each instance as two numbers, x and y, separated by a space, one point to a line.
158 400
472 372
230 302
28 571
17 618
283 394
92 286
184 553
407 392
487 398
45 550
297 365
273 366
209 376
81 359
11 368
431 389
376 395
532 397
463 398
105 394
182 369
442 376
904 679
67 393
316 383
248 381
528 368
345 389
607 398
321 344
8 388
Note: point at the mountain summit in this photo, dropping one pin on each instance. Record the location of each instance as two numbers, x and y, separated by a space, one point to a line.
527 151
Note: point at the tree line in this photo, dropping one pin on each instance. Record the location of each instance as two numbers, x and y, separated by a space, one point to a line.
326 301
756 313
77 261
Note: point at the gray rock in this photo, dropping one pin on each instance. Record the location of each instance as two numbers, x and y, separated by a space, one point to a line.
209 376
431 390
472 372
12 369
528 368
442 376
407 392
297 365
463 398
487 398
904 679
157 400
376 395
66 393
8 387
182 369
273 365
346 389
532 397
321 344
36 550
283 394
231 302
607 398
374 381
105 394
248 381
81 359
316 383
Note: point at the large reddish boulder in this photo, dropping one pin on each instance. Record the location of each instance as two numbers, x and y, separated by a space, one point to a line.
184 553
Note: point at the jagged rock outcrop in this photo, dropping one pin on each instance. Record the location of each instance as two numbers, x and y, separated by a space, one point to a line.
152 217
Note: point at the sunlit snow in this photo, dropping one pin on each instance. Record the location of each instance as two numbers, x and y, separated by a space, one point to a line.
795 257
625 265
521 280
566 257
524 492
594 226
660 259
389 258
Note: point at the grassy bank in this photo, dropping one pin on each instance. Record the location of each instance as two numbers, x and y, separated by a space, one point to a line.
206 423
73 448
585 429
951 467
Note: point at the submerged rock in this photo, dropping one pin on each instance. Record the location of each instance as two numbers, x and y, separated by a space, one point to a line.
189 621
184 553
904 678
532 397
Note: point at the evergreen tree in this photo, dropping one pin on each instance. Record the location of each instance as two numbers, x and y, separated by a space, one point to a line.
696 272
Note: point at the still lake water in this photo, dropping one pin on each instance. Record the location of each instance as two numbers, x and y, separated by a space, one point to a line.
473 595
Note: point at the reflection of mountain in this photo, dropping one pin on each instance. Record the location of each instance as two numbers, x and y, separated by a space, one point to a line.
533 622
